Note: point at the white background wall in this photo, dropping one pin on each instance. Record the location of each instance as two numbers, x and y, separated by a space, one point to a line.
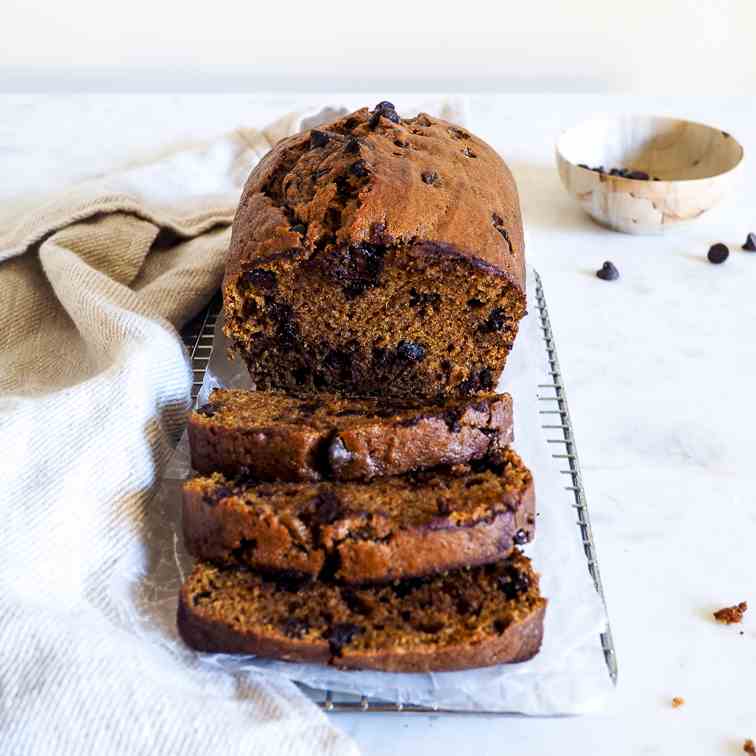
645 46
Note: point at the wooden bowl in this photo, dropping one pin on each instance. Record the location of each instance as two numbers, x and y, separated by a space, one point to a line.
695 164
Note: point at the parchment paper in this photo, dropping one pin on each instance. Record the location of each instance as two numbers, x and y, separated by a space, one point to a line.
568 676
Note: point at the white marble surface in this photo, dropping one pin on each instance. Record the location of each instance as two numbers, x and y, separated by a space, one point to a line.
660 368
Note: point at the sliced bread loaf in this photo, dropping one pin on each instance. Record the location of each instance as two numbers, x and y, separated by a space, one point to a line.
474 617
416 524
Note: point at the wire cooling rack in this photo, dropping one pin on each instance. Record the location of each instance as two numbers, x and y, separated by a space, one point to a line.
198 338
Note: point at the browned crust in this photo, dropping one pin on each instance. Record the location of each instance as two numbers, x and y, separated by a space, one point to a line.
397 200
218 531
204 633
380 447
272 453
519 642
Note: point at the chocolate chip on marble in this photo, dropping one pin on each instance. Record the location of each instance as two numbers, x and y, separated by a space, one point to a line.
750 243
718 253
608 272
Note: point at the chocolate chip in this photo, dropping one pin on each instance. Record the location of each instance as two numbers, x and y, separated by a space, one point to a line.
431 626
401 143
451 417
356 268
318 138
352 146
608 272
351 123
355 602
207 410
474 482
520 537
299 228
637 175
496 322
431 177
410 351
442 506
499 626
718 253
222 492
583 165
483 379
308 408
339 363
467 152
327 508
385 109
378 234
260 278
474 303
750 243
486 378
339 635
295 628
409 422
201 596
359 169
512 583
424 299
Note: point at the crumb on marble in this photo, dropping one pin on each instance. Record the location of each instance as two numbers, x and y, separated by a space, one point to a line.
749 747
731 615
677 702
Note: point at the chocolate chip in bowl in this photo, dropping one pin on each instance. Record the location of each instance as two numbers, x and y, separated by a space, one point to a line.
662 172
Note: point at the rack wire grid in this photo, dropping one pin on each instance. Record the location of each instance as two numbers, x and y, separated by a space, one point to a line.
198 338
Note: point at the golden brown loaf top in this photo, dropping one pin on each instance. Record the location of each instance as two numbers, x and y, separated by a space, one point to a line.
473 208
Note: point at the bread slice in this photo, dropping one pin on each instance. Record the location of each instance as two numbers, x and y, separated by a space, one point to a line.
391 528
377 256
474 617
281 437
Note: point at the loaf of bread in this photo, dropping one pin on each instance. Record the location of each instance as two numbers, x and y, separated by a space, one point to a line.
275 436
388 529
470 618
377 256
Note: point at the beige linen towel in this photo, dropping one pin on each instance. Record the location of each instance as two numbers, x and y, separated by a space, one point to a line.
94 389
